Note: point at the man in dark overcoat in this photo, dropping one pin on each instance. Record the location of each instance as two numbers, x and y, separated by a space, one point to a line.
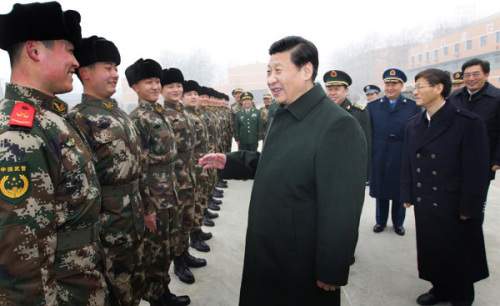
445 178
303 219
388 116
483 99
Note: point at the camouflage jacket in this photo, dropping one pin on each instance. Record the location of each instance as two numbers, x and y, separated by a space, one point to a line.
115 144
201 144
209 119
159 154
185 138
48 191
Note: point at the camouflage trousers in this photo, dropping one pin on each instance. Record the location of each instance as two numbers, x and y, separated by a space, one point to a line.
186 214
201 200
157 257
80 277
125 271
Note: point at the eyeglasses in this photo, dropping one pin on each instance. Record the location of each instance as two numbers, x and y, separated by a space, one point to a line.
419 87
474 74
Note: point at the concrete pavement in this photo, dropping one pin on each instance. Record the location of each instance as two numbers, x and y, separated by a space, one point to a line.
385 272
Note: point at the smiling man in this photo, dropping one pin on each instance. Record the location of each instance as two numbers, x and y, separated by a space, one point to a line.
303 221
483 99
114 141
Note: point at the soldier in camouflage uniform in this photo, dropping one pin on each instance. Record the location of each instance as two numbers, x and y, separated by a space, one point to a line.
264 112
159 152
49 193
190 99
248 125
115 144
207 116
185 137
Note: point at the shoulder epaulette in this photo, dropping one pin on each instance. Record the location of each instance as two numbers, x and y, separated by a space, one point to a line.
22 115
360 107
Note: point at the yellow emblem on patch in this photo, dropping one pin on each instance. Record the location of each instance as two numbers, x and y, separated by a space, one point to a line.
178 108
108 104
457 75
159 109
333 73
393 72
59 106
15 182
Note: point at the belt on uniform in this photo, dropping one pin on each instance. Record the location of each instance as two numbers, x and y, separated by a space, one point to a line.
185 154
160 169
77 238
120 190
389 137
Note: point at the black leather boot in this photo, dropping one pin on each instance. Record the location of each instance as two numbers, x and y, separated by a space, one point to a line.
213 206
171 299
216 194
205 236
218 202
198 243
207 221
182 271
218 190
192 261
210 214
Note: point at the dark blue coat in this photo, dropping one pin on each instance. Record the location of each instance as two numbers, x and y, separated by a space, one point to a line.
445 175
485 103
387 144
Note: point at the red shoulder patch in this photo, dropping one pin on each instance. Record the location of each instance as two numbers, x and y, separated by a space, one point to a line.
23 115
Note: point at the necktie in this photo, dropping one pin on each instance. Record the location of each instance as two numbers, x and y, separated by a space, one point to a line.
393 104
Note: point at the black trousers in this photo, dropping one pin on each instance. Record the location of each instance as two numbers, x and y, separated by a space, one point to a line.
459 294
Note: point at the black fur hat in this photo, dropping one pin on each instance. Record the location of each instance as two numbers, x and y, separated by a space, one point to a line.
142 69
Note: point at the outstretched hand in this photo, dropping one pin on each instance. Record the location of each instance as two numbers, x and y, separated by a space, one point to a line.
327 287
213 160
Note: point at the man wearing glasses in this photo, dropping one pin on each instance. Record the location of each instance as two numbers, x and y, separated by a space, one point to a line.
483 99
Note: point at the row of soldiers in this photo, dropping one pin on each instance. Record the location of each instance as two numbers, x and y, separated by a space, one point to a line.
95 204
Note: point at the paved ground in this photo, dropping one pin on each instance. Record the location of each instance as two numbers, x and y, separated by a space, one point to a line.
385 272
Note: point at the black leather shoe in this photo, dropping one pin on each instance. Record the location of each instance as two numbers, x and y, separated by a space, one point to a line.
158 302
428 299
218 202
217 195
221 185
218 190
192 261
210 214
205 236
399 230
182 271
378 228
213 206
198 243
207 221
171 299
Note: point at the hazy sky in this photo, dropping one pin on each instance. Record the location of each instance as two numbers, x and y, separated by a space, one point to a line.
240 32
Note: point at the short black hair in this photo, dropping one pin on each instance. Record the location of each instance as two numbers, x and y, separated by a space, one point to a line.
15 50
435 77
301 50
485 65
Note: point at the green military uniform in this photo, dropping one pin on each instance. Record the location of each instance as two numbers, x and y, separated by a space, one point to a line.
114 142
340 78
159 153
361 114
248 126
49 206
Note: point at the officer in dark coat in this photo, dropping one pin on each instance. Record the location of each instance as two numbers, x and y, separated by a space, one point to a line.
388 116
371 92
303 220
445 177
248 124
483 99
337 84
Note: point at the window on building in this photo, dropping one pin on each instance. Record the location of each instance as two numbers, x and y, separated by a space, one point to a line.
498 37
457 49
482 41
468 44
445 51
427 56
419 58
436 54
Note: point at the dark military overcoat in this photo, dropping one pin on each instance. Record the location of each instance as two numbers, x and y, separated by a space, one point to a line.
387 144
445 175
485 103
248 126
305 205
